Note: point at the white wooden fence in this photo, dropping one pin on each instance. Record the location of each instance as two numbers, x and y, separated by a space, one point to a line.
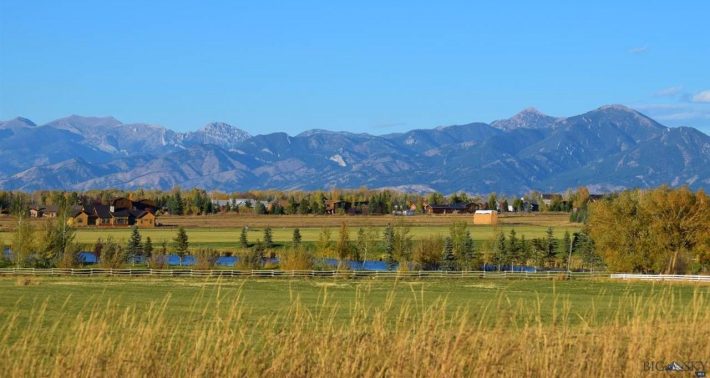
293 273
660 277
342 274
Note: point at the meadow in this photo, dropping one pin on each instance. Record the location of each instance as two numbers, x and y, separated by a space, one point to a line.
223 231
246 327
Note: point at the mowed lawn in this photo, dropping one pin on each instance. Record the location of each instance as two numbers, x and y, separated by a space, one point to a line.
54 298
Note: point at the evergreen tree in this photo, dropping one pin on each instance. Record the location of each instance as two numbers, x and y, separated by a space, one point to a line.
550 246
525 250
268 241
499 250
175 205
148 248
243 241
296 237
448 260
134 248
181 243
469 259
512 249
563 251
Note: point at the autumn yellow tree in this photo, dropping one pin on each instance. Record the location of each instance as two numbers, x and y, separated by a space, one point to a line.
661 230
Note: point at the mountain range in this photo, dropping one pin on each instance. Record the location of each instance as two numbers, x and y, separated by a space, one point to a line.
606 149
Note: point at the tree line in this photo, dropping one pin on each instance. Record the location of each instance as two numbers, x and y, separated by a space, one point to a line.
197 201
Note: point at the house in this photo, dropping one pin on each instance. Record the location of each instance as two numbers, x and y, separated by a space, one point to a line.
121 212
51 211
485 217
333 206
36 212
145 219
44 212
453 208
81 218
347 207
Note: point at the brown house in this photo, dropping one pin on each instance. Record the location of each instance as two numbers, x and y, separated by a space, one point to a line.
452 208
81 218
121 213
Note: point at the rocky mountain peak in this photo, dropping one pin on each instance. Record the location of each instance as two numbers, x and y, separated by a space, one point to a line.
528 118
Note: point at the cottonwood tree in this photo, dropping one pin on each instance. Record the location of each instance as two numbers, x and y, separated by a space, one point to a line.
23 241
342 247
388 240
366 242
58 240
402 244
325 247
660 230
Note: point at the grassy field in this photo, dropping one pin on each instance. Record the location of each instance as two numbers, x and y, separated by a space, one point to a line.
222 231
119 327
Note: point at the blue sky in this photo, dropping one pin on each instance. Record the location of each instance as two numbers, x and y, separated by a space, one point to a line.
364 66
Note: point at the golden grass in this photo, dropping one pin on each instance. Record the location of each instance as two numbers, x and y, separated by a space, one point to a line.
410 340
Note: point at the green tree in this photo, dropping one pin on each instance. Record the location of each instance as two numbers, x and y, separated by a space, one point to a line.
113 255
366 242
550 247
512 249
243 241
23 241
268 241
402 244
324 243
388 237
525 250
448 260
492 202
564 248
148 248
58 238
342 247
181 243
499 250
428 252
296 239
135 246
175 204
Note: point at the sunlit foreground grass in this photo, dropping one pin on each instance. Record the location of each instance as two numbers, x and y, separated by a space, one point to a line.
218 335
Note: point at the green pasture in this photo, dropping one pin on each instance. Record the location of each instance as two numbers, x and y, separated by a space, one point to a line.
66 297
226 238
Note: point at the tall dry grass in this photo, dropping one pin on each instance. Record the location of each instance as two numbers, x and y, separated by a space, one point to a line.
392 340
